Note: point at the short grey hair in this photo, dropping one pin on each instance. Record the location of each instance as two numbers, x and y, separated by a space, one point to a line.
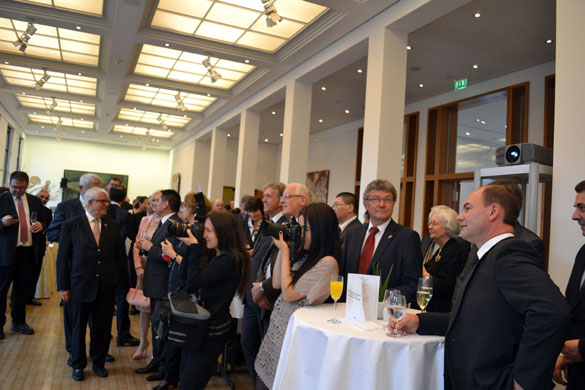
380 185
448 217
88 178
275 185
92 194
303 190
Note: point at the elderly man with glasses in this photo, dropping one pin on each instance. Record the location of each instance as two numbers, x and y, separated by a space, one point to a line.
382 243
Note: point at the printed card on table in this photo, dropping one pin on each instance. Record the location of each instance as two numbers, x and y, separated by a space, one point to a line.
362 297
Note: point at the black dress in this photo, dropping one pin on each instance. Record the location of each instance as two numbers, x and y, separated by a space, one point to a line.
444 267
217 284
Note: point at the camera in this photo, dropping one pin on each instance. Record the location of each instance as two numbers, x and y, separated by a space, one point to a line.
291 231
179 229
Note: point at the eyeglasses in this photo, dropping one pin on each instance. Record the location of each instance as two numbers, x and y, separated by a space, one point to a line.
288 196
434 223
376 201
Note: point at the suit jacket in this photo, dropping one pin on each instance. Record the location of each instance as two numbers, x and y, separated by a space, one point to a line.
82 266
353 224
121 216
65 210
576 299
156 270
507 323
134 224
535 242
398 246
9 234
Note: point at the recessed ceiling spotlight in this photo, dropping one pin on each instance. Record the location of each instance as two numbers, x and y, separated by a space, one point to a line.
121 136
78 27
273 112
147 84
82 131
323 88
320 120
167 44
42 127
184 116
265 139
34 113
421 85
229 135
208 95
79 73
408 47
6 63
81 101
134 108
549 41
347 111
281 134
483 122
24 93
360 71
467 133
477 120
247 61
81 118
477 15
475 66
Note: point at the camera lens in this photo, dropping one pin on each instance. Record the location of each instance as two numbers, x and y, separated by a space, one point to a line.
513 154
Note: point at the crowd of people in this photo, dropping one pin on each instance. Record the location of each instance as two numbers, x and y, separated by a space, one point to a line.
278 253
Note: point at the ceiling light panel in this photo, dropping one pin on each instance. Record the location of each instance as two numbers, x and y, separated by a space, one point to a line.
187 67
62 82
52 43
54 119
44 103
152 117
166 97
142 131
90 7
238 22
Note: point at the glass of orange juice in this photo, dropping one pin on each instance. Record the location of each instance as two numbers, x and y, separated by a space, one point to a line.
336 287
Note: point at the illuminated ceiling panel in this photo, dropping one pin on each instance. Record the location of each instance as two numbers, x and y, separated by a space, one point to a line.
238 22
187 67
56 105
54 120
90 7
153 117
61 82
49 42
142 131
167 98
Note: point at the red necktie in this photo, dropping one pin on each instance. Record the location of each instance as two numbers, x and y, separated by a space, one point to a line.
22 222
367 251
96 231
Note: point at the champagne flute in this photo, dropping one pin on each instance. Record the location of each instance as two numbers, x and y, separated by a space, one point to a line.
33 217
397 311
336 287
424 292
387 296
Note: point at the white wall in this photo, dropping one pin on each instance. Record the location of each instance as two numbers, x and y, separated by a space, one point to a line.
335 149
231 163
268 164
183 162
46 158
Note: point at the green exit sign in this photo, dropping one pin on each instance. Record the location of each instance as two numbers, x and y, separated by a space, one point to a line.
460 84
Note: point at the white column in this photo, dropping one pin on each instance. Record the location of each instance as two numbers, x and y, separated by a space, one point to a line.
3 130
295 142
247 153
384 112
217 164
569 146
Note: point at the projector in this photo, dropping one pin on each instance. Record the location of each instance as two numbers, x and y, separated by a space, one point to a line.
523 153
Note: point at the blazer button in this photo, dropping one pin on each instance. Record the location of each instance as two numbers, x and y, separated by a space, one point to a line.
99 262
97 275
99 250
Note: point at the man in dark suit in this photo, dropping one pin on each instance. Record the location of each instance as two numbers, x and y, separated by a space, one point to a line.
382 243
346 208
64 212
570 362
47 217
89 261
156 275
19 247
508 318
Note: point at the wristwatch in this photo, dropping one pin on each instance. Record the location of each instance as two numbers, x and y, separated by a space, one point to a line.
261 287
175 257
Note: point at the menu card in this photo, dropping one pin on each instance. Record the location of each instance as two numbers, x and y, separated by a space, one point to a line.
362 297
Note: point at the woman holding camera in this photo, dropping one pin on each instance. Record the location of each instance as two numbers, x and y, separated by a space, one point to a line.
305 283
251 225
217 272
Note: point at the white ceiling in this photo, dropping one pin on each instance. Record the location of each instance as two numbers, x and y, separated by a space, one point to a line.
509 35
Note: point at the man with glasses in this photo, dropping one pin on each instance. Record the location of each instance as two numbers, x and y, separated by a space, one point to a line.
382 243
346 209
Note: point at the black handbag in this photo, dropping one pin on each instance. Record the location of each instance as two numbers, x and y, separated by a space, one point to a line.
188 321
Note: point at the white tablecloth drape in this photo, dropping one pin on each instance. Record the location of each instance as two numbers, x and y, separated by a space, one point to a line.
319 355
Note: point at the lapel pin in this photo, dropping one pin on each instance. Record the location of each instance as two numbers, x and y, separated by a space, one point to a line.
390 236
105 225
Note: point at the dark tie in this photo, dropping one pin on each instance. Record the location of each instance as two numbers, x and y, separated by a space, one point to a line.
22 222
470 267
367 251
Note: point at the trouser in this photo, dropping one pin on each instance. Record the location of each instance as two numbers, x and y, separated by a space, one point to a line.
35 273
19 275
172 363
197 367
158 343
122 310
100 310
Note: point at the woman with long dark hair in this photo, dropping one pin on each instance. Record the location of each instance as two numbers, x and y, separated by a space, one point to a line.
306 283
217 273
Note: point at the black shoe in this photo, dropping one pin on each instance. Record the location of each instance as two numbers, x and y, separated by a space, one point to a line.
128 342
77 374
150 367
70 360
156 376
2 334
100 371
164 385
34 302
22 328
110 358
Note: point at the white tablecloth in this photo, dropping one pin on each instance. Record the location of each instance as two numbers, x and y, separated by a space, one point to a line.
319 355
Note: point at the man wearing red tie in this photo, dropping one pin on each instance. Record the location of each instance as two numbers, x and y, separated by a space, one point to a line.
383 244
89 261
19 242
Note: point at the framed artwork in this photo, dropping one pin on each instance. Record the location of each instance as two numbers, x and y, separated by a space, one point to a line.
70 181
177 182
318 182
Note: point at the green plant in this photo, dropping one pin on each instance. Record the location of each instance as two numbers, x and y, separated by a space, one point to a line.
377 270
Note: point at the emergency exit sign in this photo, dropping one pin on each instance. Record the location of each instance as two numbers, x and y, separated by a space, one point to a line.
460 84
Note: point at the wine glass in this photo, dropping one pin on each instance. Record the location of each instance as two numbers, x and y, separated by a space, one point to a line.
424 292
336 287
33 217
387 295
397 311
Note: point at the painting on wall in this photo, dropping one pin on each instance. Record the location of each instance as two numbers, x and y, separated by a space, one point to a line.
70 181
177 182
318 182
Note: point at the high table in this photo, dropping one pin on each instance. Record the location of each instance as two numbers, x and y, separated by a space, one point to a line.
319 355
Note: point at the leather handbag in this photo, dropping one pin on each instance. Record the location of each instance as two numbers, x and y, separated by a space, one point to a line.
136 297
